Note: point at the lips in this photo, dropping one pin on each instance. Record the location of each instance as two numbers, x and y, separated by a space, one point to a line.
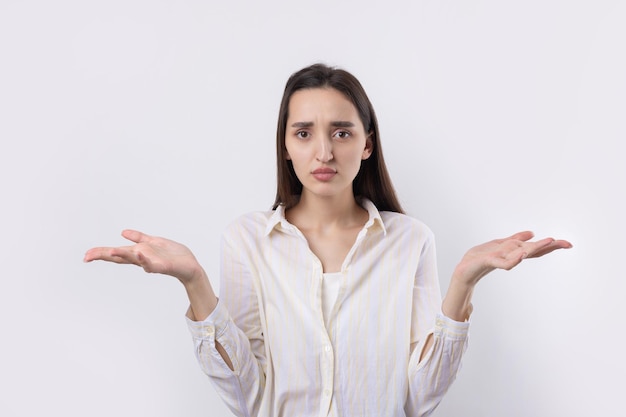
323 174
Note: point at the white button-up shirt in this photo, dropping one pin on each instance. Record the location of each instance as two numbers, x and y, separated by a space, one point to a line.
289 362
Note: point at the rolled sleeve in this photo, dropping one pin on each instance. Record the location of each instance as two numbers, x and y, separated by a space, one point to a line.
240 388
451 329
430 378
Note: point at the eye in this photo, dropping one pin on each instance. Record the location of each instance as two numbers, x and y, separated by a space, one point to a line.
302 134
342 134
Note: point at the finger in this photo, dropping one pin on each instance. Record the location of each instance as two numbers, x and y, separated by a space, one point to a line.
523 236
96 254
91 255
127 255
107 254
135 236
519 236
554 245
533 248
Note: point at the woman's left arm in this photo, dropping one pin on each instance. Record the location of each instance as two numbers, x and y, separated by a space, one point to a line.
433 367
482 259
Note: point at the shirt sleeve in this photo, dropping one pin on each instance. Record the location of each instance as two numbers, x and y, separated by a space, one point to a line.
430 378
239 333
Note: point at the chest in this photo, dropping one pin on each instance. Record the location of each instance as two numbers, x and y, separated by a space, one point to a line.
332 248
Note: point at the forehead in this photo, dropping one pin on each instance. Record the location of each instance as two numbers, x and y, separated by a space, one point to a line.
313 103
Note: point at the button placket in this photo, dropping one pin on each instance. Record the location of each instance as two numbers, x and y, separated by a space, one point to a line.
327 373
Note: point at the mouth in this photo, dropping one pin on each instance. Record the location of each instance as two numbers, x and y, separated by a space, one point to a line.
323 174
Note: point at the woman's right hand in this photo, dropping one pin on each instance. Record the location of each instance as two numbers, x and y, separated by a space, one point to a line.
153 254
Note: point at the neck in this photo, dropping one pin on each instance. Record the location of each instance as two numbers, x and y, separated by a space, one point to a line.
322 212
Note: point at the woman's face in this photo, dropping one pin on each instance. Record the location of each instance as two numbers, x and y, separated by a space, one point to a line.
325 140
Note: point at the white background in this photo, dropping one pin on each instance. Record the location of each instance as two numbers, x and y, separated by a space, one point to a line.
160 115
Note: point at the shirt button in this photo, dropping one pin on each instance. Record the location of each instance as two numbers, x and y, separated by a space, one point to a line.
210 331
327 348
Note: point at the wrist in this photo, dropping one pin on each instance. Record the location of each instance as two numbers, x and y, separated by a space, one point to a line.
457 303
194 279
465 275
192 275
201 296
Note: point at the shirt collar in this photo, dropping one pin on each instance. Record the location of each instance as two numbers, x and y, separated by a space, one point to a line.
278 221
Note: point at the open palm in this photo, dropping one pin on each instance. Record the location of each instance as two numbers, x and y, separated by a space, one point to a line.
153 254
504 254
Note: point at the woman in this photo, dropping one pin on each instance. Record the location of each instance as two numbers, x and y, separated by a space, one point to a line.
330 303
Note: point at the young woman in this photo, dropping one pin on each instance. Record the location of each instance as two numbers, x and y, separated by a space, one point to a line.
330 303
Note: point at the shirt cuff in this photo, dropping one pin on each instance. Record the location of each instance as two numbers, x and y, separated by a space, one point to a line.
211 327
451 329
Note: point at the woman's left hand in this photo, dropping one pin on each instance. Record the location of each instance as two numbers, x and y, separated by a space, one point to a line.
503 254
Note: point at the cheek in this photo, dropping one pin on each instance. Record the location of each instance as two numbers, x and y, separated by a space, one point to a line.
297 158
289 152
352 156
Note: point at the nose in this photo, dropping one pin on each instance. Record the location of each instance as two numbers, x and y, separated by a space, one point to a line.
325 150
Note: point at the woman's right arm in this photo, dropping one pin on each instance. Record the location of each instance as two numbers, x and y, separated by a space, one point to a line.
164 256
235 326
223 349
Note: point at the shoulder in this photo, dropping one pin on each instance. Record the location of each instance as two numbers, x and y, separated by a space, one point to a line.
398 224
250 224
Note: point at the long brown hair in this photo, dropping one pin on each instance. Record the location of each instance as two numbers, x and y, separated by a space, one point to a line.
372 181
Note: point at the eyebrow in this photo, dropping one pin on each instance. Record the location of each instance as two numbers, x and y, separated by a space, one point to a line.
334 124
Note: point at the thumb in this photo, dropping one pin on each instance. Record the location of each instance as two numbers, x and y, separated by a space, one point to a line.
135 235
